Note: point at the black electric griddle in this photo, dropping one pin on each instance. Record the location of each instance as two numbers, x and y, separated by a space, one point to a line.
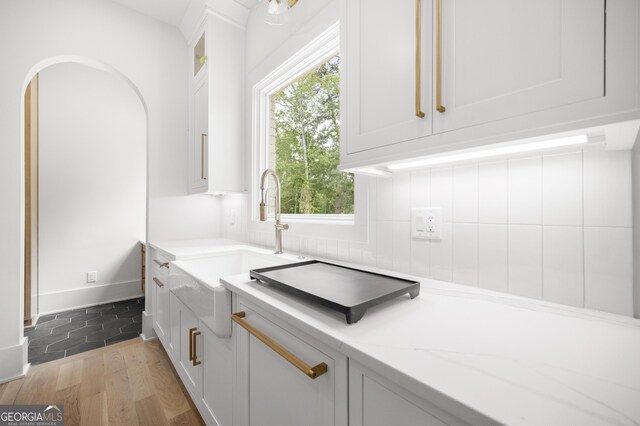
347 290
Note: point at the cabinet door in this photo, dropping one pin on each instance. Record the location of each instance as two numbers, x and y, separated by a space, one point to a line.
199 146
174 327
381 68
160 294
274 392
192 374
503 58
217 375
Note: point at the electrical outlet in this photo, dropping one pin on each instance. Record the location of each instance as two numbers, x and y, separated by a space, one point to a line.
426 223
92 276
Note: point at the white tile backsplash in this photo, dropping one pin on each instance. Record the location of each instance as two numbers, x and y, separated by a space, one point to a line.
563 265
493 187
561 203
525 260
465 194
465 253
608 260
607 188
513 225
525 191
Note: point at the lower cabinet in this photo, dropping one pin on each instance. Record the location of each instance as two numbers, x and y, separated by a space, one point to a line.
204 363
272 389
160 296
375 401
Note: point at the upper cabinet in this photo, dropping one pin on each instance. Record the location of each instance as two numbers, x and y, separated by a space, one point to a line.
216 81
430 76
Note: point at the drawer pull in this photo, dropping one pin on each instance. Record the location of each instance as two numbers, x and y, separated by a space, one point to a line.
191 330
158 282
312 372
195 348
162 264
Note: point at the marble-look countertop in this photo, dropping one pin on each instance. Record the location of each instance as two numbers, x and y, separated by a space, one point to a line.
509 359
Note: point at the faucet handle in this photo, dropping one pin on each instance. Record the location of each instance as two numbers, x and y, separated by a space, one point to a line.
282 226
263 212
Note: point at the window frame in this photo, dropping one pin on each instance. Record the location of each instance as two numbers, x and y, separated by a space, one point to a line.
305 59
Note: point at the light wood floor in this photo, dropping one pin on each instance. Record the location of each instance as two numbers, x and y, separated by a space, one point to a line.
129 383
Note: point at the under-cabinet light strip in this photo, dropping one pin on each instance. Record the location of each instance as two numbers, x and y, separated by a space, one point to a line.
514 149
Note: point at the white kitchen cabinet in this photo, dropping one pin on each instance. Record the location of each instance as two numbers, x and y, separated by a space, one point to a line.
503 58
272 391
216 79
160 296
507 70
381 73
217 378
375 401
190 352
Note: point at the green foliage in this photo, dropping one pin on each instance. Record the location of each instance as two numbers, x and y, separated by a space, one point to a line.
307 139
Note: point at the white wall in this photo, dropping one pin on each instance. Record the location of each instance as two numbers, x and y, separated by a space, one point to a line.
92 187
153 57
636 225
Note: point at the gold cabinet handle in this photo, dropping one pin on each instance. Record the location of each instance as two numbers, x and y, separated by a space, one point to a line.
439 105
158 282
419 113
194 335
191 330
312 372
202 154
162 264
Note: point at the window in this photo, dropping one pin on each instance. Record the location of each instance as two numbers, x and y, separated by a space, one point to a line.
304 143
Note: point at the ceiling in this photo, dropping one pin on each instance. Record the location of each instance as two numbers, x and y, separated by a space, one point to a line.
169 11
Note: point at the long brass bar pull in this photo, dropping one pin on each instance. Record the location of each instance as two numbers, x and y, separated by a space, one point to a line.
191 330
161 264
312 372
195 348
158 282
202 156
439 105
419 113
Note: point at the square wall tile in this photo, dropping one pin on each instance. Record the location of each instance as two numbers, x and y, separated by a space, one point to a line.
401 196
322 247
525 191
441 255
440 191
420 257
331 248
402 247
384 199
465 194
355 252
493 257
343 250
493 187
562 189
608 261
384 245
607 188
465 253
525 260
563 268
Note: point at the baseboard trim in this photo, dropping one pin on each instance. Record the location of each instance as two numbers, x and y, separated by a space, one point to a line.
13 362
78 298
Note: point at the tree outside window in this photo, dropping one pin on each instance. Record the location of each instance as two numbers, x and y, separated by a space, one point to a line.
305 144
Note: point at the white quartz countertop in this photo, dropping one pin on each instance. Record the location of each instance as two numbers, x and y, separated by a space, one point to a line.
486 356
194 249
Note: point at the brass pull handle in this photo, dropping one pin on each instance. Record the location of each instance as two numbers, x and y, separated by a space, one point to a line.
162 264
191 330
312 372
419 113
195 348
439 105
202 156
158 282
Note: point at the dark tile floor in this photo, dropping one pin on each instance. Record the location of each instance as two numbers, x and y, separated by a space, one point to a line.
79 330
